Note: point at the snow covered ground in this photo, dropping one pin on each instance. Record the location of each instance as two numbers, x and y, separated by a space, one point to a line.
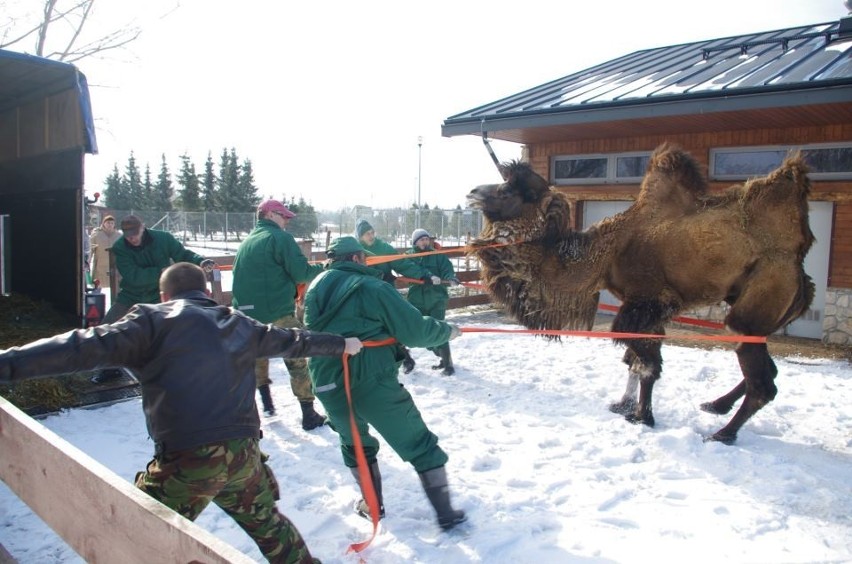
545 472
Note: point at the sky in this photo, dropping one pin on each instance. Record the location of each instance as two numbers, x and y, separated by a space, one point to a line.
544 471
328 99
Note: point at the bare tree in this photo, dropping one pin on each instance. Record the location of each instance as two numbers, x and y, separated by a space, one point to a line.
60 30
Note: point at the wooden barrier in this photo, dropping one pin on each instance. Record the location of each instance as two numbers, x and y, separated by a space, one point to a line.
101 516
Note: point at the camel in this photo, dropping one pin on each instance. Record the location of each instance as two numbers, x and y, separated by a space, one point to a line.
676 248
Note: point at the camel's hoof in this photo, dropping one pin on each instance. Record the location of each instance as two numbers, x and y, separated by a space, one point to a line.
711 407
720 438
623 407
635 419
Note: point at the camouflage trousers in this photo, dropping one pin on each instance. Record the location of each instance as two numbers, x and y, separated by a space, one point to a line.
233 475
300 381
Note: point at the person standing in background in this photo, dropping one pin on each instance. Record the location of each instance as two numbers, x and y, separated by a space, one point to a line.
141 255
432 299
267 269
375 246
100 241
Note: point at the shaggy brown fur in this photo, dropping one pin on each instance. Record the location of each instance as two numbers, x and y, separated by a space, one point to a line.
677 247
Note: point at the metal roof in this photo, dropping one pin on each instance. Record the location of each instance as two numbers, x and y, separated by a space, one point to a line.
808 65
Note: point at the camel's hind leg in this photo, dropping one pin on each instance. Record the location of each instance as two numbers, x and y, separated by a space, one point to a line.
723 405
759 371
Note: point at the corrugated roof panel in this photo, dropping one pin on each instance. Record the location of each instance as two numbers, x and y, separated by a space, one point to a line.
769 62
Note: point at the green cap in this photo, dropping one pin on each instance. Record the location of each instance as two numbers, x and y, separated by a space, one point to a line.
344 246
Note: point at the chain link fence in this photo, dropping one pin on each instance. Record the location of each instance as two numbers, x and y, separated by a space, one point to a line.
225 231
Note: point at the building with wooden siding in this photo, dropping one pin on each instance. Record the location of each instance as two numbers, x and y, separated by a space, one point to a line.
46 129
738 104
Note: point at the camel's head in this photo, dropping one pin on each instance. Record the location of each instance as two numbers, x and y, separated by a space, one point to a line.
500 202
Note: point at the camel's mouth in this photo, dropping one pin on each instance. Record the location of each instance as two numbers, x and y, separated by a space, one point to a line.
474 200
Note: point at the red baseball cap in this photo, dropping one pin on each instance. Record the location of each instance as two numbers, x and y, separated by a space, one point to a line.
275 206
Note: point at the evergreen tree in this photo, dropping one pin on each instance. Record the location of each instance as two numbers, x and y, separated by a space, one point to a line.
163 190
132 184
114 196
229 175
146 201
246 190
209 199
306 223
189 193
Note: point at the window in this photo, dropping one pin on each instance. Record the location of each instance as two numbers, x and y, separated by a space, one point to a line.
827 162
599 169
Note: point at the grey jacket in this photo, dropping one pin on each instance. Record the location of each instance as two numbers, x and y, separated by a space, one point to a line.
194 360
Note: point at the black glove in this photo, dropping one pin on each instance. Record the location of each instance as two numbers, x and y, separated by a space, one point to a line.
427 280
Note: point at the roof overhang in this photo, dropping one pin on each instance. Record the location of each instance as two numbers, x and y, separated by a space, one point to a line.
826 104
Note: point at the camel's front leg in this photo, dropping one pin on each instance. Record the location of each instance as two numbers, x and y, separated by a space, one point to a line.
646 373
627 403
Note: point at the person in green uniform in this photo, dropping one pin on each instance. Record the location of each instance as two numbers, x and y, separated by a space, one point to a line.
141 255
432 299
372 244
351 299
267 269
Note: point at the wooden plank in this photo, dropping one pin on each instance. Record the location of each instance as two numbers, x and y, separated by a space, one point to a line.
100 515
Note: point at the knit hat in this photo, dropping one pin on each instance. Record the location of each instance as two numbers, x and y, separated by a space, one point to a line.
131 225
419 234
345 245
275 206
361 227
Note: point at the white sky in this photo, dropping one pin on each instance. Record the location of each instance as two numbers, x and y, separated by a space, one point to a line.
545 472
328 98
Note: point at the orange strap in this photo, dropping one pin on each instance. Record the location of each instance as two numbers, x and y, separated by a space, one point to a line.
364 477
625 336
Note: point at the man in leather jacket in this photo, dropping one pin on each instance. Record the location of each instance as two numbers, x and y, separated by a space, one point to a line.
194 360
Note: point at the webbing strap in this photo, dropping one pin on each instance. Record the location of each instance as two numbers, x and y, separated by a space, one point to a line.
364 477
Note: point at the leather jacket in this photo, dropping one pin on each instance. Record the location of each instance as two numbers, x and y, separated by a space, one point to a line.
194 360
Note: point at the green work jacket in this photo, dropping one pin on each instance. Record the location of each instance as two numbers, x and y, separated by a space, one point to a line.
267 268
351 300
402 266
428 297
140 267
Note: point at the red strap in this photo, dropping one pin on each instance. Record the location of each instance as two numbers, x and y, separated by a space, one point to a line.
364 477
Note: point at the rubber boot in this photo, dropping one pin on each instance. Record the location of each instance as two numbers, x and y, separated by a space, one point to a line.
437 490
361 507
266 399
407 362
310 418
437 352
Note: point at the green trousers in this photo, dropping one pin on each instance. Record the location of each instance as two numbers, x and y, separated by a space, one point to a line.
384 404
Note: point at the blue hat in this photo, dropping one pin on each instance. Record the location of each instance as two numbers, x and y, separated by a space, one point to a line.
361 227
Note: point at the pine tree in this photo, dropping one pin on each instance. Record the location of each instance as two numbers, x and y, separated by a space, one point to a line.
306 223
246 190
210 201
146 201
229 175
189 194
163 190
132 184
114 196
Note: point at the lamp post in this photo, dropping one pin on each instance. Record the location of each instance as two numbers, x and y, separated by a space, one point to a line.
419 162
